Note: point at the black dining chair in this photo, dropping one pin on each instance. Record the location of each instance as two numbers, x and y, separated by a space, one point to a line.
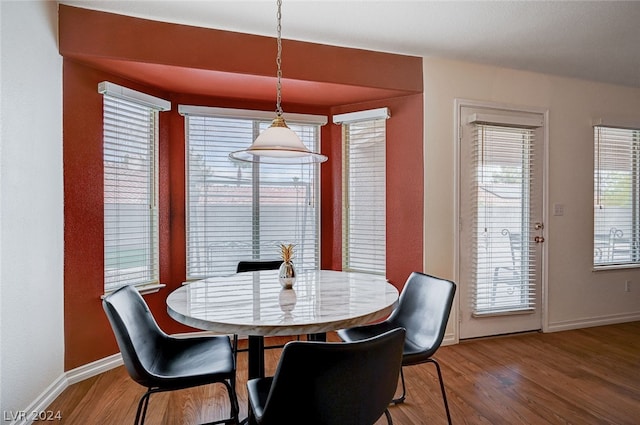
325 383
257 265
161 362
423 310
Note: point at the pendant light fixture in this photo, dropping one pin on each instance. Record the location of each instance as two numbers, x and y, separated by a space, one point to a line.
278 144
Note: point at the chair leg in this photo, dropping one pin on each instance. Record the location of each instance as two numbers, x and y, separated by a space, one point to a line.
233 399
141 412
444 394
388 415
404 391
234 347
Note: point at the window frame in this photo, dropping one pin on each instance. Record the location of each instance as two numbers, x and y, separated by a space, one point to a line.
622 143
257 250
118 134
364 256
505 251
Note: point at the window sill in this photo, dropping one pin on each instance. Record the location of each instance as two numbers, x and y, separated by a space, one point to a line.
143 289
615 267
150 289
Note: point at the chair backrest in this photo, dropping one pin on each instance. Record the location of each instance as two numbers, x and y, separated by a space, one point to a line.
515 244
423 310
320 383
257 265
137 333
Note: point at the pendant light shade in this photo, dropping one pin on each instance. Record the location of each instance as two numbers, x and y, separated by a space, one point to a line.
278 144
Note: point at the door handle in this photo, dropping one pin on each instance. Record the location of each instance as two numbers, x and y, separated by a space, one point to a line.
538 239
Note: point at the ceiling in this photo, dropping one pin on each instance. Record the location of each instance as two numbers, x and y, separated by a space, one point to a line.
593 40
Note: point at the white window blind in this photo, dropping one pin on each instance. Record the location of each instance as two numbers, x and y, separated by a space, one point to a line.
130 188
502 254
364 193
241 211
616 212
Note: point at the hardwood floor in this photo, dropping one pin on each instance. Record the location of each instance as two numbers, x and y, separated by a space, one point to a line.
585 376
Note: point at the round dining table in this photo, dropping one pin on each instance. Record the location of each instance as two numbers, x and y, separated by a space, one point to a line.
255 304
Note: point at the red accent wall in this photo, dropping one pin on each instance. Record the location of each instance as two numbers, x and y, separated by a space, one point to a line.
405 189
87 332
88 35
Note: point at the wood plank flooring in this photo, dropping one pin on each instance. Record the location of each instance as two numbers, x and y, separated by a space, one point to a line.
582 377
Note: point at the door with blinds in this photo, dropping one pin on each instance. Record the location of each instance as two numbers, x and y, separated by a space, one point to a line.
501 229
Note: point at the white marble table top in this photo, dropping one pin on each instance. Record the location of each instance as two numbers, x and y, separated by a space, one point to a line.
253 303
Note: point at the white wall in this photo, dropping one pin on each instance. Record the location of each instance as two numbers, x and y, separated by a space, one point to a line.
31 203
578 297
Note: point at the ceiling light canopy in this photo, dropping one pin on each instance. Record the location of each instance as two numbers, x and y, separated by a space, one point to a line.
278 144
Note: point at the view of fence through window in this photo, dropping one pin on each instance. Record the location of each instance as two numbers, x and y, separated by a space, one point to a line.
240 211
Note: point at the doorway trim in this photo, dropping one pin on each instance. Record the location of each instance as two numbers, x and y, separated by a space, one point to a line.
459 103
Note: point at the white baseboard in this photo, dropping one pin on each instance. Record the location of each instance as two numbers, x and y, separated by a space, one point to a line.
27 416
54 390
94 368
592 322
449 339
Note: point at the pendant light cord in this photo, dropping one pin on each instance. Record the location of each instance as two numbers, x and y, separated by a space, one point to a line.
278 144
279 110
